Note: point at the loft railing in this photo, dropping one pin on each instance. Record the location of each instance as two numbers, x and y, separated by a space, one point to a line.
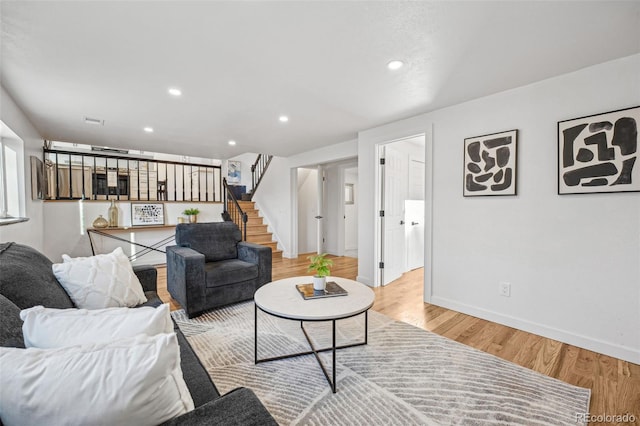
257 171
74 175
233 211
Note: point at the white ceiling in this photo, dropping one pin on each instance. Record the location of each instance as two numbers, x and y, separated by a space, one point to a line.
242 64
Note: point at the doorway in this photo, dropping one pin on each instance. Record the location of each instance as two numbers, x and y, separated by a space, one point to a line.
350 212
402 194
308 211
327 212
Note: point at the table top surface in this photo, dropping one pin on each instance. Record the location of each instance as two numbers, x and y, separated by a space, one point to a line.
281 298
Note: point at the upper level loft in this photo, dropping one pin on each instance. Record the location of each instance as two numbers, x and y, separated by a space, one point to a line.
83 172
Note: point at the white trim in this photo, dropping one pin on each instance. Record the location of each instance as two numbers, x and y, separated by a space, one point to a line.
364 280
427 135
596 345
428 215
293 190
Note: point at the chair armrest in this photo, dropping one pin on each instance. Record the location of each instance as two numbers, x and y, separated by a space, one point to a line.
259 255
240 407
148 276
186 278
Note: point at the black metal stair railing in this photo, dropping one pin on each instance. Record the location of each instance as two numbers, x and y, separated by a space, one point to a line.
258 169
233 211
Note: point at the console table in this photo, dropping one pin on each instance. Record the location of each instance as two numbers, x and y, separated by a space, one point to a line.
112 231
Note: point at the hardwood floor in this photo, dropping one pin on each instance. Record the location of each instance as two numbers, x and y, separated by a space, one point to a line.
614 384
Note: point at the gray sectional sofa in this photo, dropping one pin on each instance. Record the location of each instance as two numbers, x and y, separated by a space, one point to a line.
26 280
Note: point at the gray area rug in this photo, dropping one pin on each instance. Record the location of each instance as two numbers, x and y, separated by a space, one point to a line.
403 376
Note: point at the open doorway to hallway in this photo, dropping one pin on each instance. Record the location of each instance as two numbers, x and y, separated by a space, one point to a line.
402 214
327 208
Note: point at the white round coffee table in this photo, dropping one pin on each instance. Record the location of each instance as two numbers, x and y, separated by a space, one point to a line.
282 299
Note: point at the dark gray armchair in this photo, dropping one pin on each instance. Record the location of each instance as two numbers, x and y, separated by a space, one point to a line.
211 267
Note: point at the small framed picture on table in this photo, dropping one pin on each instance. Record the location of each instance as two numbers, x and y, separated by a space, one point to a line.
146 214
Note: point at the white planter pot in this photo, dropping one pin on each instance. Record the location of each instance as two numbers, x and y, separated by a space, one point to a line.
319 283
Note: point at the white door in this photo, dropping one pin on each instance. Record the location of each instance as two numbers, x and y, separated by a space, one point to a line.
395 188
307 210
414 233
320 215
351 212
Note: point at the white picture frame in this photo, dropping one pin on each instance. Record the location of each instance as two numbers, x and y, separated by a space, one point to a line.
147 214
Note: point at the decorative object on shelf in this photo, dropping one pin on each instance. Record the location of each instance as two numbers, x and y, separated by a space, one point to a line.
100 222
146 214
321 265
599 153
490 164
180 219
234 172
192 214
113 214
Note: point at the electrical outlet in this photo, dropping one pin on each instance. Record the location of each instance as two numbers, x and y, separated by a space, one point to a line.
505 289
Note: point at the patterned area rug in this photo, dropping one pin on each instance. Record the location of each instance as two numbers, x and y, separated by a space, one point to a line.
403 376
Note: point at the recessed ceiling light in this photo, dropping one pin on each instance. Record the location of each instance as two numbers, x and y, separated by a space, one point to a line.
175 91
395 65
283 118
232 143
148 129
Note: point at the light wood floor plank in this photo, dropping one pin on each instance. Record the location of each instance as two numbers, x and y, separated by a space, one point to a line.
614 383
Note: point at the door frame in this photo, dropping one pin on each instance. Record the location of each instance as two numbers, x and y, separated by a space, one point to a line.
428 208
341 164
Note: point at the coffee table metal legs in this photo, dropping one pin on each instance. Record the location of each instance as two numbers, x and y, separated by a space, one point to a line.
314 351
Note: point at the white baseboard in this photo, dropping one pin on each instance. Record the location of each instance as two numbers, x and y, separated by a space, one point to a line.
585 342
364 280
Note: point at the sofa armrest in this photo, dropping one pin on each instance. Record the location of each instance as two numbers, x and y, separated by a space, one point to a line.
259 255
148 276
239 407
186 278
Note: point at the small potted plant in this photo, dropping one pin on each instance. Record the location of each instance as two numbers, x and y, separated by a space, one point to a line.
192 214
321 265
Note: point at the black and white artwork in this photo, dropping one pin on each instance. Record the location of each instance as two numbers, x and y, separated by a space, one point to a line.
147 214
598 153
490 164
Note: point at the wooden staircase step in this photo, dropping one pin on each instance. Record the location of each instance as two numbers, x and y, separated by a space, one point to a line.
247 205
265 237
257 230
254 221
253 229
272 244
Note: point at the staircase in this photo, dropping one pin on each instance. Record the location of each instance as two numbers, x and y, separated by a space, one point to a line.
257 229
244 213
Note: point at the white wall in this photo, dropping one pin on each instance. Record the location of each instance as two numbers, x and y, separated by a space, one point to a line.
29 233
246 161
573 261
65 226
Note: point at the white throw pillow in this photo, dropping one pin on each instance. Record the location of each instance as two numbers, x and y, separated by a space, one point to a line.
134 381
102 281
54 328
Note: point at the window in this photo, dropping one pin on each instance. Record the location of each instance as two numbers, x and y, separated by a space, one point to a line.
12 174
